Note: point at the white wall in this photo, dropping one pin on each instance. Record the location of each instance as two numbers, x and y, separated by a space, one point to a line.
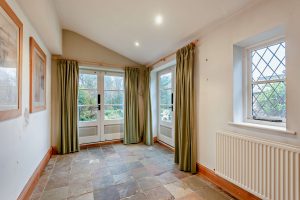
43 16
23 147
214 77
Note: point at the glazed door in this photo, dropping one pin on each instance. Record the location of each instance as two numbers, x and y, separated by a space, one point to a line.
166 102
89 107
100 106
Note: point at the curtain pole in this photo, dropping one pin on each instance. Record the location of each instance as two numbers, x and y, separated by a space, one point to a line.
195 42
86 62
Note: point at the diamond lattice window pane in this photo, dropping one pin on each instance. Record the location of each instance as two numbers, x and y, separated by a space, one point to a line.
269 100
268 82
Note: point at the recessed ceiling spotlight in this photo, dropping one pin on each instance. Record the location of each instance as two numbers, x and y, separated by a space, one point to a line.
137 44
158 20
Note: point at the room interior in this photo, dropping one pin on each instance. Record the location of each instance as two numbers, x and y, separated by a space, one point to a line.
195 99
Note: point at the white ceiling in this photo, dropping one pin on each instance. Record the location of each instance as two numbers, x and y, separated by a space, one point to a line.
118 24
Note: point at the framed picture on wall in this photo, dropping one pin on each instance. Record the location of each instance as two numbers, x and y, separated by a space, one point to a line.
11 35
37 96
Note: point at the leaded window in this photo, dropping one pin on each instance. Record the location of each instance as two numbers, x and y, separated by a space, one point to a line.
268 85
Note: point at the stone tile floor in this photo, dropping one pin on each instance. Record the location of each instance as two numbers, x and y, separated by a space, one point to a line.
113 172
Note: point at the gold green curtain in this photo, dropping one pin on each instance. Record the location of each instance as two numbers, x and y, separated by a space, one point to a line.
185 138
147 137
131 119
67 137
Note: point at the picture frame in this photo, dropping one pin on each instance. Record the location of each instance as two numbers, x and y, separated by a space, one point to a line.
11 43
37 94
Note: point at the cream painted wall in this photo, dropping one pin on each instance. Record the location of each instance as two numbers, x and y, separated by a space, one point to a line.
214 77
78 47
24 146
81 48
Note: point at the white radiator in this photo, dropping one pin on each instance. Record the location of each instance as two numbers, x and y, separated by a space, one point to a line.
264 168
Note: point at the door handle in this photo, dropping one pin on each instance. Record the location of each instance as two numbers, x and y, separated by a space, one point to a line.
99 101
172 99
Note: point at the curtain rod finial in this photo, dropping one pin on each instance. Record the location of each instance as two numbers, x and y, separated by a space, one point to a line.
195 42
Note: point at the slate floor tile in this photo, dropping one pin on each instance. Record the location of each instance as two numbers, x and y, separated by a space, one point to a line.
208 193
178 189
148 183
159 193
127 172
109 193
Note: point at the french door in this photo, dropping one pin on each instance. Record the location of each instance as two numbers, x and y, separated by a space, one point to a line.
100 106
166 102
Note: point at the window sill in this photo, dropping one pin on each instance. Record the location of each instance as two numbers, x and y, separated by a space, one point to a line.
263 127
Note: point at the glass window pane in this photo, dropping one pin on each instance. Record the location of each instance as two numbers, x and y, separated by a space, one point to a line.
165 113
113 112
113 82
165 81
87 97
165 96
269 100
113 97
87 113
268 63
87 81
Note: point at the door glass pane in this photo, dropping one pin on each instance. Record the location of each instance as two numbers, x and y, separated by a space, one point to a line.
165 81
87 81
113 82
113 112
87 97
113 97
165 96
165 113
87 113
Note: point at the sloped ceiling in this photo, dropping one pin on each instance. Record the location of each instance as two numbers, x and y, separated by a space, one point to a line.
43 16
117 24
